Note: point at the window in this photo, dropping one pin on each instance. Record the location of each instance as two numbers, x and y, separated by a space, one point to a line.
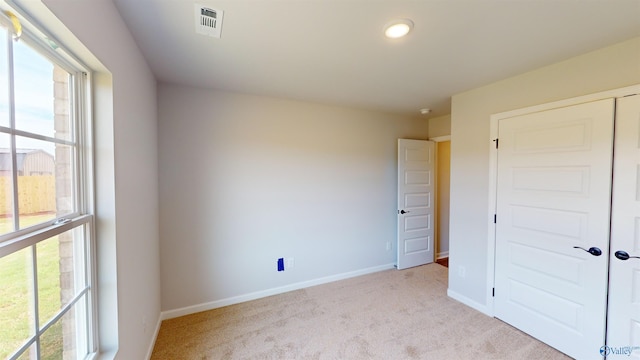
46 276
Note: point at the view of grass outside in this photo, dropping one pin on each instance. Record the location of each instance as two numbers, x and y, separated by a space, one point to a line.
16 314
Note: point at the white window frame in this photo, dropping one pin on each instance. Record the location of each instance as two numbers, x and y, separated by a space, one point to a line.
80 113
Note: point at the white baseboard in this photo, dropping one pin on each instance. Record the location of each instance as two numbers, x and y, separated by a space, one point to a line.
470 303
154 338
170 314
441 255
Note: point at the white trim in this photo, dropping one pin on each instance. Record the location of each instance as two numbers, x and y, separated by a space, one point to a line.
441 255
470 303
436 201
493 183
154 338
170 314
493 167
440 138
31 236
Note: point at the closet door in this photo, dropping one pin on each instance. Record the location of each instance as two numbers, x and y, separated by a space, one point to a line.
552 229
623 322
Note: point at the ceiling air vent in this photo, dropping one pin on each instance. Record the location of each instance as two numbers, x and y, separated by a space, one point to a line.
208 21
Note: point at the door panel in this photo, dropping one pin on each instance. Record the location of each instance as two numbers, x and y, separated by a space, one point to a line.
415 202
554 173
623 324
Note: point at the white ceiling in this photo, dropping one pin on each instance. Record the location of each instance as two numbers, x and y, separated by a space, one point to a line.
334 51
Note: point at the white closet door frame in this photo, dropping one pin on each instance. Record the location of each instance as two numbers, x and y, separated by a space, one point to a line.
493 168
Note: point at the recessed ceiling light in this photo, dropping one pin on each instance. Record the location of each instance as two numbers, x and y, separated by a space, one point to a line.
398 28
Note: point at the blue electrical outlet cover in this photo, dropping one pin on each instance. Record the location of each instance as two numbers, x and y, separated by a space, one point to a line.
281 264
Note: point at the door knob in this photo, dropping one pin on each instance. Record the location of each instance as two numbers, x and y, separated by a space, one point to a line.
592 250
623 255
403 212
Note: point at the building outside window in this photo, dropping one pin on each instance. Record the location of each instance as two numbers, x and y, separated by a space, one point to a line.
46 243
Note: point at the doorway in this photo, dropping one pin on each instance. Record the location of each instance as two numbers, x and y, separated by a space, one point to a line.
443 170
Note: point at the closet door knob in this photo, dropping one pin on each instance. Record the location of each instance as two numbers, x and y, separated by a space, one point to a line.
623 255
592 250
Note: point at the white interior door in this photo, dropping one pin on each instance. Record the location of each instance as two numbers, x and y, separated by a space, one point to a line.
553 195
623 323
415 202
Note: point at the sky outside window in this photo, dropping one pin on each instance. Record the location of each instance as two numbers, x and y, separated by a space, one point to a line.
33 86
33 90
4 78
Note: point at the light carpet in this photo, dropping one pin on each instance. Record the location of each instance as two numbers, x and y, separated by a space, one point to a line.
386 315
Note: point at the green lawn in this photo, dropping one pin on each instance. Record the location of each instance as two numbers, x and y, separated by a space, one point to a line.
16 316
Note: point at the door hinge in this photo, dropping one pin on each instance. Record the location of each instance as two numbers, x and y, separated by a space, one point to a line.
496 141
493 293
495 218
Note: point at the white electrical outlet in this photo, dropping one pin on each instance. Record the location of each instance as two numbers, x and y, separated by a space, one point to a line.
388 245
290 263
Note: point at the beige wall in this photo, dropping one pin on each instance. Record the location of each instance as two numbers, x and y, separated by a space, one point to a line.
440 126
245 180
608 68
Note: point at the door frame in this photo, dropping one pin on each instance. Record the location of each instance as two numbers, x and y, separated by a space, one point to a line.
493 169
436 220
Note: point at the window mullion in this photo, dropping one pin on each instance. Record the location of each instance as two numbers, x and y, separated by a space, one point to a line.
36 310
12 138
75 86
82 293
26 134
18 353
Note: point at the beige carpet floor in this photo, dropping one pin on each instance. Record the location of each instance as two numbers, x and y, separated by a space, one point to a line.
387 315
